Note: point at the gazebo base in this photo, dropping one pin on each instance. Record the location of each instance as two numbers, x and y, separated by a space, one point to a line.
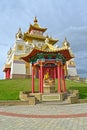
54 97
34 98
49 96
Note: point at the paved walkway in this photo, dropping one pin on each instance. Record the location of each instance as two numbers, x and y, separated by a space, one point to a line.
44 117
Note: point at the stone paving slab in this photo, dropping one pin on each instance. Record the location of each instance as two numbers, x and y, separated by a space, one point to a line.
23 123
44 109
17 123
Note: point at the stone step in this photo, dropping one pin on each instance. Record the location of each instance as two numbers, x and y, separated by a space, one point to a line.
50 97
65 102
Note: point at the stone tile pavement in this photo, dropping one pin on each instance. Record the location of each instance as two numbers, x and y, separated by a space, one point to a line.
44 117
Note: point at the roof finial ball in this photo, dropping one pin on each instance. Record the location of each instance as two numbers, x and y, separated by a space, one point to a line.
35 20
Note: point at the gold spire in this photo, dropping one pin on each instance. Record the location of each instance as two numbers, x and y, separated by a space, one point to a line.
19 34
36 26
35 20
66 43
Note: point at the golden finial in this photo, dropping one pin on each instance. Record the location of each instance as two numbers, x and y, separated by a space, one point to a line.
66 43
19 34
35 20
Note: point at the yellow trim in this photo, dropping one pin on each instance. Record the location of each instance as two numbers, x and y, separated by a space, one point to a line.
51 47
36 27
28 37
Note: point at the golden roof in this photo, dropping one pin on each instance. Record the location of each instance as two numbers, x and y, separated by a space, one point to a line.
65 52
36 26
39 37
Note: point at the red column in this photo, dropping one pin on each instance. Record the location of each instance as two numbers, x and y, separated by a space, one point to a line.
41 77
39 81
62 83
59 77
9 73
32 78
43 72
54 72
63 79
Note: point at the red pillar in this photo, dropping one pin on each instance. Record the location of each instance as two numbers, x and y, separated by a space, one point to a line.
54 72
63 79
41 77
9 73
39 81
59 77
43 72
32 78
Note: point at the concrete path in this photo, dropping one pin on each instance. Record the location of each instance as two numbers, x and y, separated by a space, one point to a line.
44 117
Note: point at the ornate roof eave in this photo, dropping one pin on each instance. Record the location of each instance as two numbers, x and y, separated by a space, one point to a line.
42 38
65 52
36 27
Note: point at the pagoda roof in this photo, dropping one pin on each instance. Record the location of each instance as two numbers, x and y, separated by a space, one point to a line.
36 26
65 52
42 38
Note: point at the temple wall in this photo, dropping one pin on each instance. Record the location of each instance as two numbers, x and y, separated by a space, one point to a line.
18 69
15 76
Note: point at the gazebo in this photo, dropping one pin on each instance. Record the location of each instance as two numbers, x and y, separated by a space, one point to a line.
51 62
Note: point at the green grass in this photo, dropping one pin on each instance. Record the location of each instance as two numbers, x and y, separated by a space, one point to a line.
9 89
81 86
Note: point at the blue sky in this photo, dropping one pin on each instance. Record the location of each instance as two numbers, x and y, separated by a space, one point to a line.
63 18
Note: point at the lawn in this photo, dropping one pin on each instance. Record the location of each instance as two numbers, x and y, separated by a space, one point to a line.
9 89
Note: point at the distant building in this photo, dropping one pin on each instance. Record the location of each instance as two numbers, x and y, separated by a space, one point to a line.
15 67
